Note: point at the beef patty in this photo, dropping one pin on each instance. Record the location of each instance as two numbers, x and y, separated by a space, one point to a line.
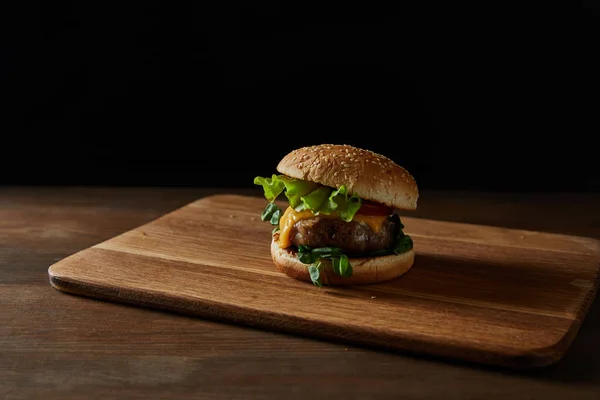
352 237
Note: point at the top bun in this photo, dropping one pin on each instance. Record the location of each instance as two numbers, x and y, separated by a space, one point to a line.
366 174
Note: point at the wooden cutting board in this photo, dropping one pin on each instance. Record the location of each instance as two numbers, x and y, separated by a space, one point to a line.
477 293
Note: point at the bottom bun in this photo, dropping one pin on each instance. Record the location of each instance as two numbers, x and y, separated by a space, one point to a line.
364 270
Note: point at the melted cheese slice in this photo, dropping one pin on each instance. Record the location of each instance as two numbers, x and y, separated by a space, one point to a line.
290 217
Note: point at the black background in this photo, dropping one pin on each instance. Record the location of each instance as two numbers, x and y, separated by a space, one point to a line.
488 96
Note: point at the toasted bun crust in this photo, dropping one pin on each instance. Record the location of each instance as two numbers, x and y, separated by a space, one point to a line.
369 175
364 270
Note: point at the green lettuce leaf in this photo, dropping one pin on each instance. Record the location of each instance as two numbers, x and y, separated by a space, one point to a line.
326 200
315 274
345 205
313 256
271 186
293 188
273 214
314 200
304 195
403 244
268 212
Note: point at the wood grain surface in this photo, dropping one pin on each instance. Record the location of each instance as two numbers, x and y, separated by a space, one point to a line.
478 293
57 346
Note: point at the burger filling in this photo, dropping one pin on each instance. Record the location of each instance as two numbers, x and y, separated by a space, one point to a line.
327 223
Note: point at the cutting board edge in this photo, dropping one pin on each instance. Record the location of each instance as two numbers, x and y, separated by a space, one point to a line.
533 358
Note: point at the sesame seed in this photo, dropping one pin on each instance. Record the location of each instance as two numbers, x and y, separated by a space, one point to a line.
345 165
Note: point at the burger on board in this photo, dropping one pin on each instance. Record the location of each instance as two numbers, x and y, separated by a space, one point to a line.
341 225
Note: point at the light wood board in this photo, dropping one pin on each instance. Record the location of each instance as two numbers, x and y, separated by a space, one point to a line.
476 293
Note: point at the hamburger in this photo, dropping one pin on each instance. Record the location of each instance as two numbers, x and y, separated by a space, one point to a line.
341 225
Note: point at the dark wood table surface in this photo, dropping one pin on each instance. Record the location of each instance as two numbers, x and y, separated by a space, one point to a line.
57 346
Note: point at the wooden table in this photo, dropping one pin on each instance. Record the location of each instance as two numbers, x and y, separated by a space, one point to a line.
54 345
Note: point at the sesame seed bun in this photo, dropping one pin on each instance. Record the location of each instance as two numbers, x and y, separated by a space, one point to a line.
366 270
369 175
